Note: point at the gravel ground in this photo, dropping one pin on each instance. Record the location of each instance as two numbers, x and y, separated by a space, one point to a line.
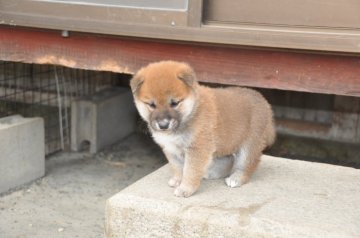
70 200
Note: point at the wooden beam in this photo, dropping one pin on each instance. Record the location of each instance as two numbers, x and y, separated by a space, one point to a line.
309 72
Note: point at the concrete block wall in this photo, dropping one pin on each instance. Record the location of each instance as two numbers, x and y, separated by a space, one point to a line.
102 119
22 151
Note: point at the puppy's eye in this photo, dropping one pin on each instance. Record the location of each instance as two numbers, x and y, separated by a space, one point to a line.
152 105
174 103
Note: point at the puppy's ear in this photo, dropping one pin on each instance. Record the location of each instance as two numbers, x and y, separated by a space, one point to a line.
187 75
136 82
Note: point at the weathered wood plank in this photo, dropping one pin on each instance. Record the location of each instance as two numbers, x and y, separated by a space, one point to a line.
308 72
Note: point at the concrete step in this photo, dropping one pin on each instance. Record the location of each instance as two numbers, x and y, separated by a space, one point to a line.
285 198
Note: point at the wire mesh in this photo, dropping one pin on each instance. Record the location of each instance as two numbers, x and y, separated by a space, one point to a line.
47 91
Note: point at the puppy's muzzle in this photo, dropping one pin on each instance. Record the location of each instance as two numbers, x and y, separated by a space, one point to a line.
163 121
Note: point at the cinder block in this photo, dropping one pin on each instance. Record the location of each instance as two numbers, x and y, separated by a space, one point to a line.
102 119
22 151
285 198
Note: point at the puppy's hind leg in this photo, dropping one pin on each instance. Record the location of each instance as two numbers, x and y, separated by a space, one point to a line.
245 163
220 167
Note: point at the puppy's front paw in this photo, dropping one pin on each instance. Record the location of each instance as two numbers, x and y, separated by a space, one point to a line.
233 182
174 182
183 191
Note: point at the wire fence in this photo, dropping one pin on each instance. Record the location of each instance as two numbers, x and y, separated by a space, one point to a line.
47 91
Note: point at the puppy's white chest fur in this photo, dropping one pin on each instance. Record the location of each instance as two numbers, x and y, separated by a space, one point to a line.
174 144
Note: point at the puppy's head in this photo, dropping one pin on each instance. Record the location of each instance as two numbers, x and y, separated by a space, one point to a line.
165 94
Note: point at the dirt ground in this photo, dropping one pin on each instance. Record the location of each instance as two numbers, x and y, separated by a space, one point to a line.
70 200
316 150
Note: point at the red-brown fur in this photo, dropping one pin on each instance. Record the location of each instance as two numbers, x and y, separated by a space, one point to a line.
210 124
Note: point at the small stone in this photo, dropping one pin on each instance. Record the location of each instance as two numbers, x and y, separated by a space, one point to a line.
60 229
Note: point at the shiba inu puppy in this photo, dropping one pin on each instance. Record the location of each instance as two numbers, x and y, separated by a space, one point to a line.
204 132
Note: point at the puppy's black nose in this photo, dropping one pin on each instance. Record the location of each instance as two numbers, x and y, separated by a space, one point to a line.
164 124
